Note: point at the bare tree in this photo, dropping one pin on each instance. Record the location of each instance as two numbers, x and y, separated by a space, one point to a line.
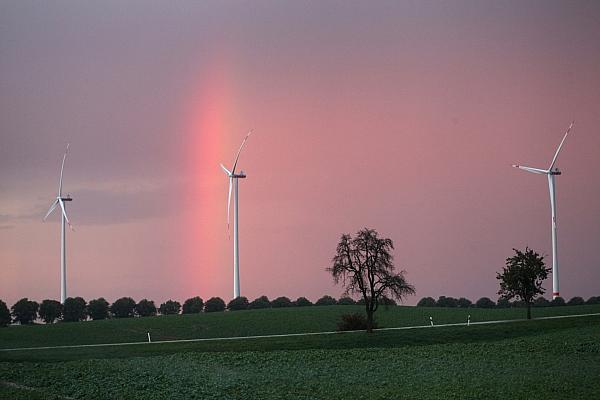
364 264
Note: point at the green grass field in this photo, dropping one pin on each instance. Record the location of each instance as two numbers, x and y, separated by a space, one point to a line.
545 359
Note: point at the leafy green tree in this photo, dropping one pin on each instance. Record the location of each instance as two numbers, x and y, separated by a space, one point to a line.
485 302
4 314
145 308
502 303
386 301
427 302
239 303
123 308
50 311
169 307
557 302
364 265
24 311
593 300
194 305
541 302
214 304
346 301
522 277
464 303
260 302
281 302
74 309
444 301
326 301
576 301
302 302
98 309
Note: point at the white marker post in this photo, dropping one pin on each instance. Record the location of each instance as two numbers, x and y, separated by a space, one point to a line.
431 320
469 320
149 341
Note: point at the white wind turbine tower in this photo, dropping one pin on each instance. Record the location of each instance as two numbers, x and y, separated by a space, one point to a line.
233 182
552 172
60 201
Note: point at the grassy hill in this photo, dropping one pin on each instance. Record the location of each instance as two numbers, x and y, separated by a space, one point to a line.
250 322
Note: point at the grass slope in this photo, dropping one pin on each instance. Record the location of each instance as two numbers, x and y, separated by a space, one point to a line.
250 322
545 359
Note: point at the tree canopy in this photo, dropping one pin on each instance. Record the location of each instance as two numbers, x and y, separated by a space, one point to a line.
193 305
98 309
169 307
74 309
25 311
4 314
522 277
365 266
50 311
145 308
123 307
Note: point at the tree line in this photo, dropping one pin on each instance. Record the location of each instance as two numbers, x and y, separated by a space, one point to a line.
75 309
486 302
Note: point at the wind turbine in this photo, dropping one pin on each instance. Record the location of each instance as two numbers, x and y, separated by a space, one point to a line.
233 182
60 201
552 172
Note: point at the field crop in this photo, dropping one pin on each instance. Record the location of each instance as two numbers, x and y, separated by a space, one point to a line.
546 359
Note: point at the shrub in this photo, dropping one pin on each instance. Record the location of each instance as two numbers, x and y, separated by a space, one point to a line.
239 303
145 308
346 301
169 307
98 309
503 302
281 302
4 314
464 303
444 301
261 302
24 311
386 301
326 301
302 302
123 307
193 305
576 301
74 309
426 302
541 302
50 311
353 322
558 301
593 300
214 304
518 304
485 302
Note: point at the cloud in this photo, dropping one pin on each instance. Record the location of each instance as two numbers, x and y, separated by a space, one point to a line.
107 204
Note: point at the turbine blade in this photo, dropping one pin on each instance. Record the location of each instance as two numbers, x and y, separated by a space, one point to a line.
560 146
64 213
228 172
62 167
229 202
239 151
52 207
532 170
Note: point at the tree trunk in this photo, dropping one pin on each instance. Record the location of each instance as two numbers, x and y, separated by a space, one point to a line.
369 321
528 310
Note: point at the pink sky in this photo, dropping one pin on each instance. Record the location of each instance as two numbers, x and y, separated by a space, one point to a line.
403 117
